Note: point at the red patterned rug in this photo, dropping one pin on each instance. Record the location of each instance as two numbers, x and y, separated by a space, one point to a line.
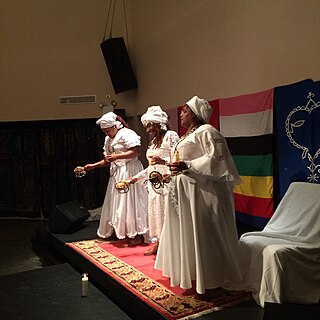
135 272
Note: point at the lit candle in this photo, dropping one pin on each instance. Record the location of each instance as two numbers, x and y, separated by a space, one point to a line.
85 285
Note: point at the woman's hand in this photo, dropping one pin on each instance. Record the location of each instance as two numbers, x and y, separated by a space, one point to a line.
166 178
111 157
132 180
129 154
156 160
177 167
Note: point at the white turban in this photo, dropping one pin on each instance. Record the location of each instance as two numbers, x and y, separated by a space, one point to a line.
156 115
201 108
109 120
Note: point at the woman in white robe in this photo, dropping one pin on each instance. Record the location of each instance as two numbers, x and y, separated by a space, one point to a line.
155 121
123 215
199 239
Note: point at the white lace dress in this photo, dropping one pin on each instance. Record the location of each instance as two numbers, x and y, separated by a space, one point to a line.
125 213
157 197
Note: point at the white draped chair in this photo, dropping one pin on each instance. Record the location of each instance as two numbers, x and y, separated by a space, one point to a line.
282 262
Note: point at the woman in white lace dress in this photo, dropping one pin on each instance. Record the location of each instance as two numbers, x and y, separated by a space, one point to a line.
123 215
155 121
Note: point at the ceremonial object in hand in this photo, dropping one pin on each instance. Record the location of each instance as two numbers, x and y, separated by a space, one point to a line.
79 172
174 165
122 186
156 179
151 161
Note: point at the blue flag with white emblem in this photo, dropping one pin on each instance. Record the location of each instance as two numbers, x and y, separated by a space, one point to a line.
297 130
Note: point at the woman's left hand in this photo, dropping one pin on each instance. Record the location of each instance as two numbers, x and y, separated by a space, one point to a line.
166 178
132 180
111 157
156 160
177 167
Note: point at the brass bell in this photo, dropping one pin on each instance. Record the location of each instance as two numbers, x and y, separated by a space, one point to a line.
79 172
156 179
122 186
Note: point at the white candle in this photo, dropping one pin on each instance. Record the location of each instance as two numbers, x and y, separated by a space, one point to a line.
85 285
176 156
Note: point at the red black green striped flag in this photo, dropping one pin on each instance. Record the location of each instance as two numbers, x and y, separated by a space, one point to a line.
246 122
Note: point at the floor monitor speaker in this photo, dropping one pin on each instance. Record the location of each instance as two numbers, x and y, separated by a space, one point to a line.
118 63
67 217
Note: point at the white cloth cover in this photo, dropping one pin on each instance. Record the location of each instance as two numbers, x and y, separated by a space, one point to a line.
125 213
283 260
199 239
158 198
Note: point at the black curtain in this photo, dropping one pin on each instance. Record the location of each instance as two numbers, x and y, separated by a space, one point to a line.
37 159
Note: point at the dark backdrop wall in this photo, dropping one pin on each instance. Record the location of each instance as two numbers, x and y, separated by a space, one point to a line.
37 159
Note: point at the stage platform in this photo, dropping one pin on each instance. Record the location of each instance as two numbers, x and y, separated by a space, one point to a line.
58 252
128 303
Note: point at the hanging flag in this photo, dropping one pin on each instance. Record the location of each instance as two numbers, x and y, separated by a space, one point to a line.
173 118
297 114
246 122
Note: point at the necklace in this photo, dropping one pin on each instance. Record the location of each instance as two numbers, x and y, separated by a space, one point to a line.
186 135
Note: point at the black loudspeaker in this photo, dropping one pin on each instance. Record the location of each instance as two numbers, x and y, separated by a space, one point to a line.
67 217
118 63
277 311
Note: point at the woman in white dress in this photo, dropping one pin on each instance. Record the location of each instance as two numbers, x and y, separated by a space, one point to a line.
199 241
155 121
123 215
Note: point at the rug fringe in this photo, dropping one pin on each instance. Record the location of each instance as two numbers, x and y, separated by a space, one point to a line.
199 314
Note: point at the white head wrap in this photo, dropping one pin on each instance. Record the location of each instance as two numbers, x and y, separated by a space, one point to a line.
109 120
201 108
156 115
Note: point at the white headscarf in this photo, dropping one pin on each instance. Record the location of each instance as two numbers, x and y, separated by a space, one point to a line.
201 108
156 115
109 120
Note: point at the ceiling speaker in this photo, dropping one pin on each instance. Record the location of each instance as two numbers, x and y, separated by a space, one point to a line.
118 63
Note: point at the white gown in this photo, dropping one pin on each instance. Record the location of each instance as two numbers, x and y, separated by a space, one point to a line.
157 198
125 213
199 239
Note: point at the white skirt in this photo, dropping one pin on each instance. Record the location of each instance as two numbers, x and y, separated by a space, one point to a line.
124 213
